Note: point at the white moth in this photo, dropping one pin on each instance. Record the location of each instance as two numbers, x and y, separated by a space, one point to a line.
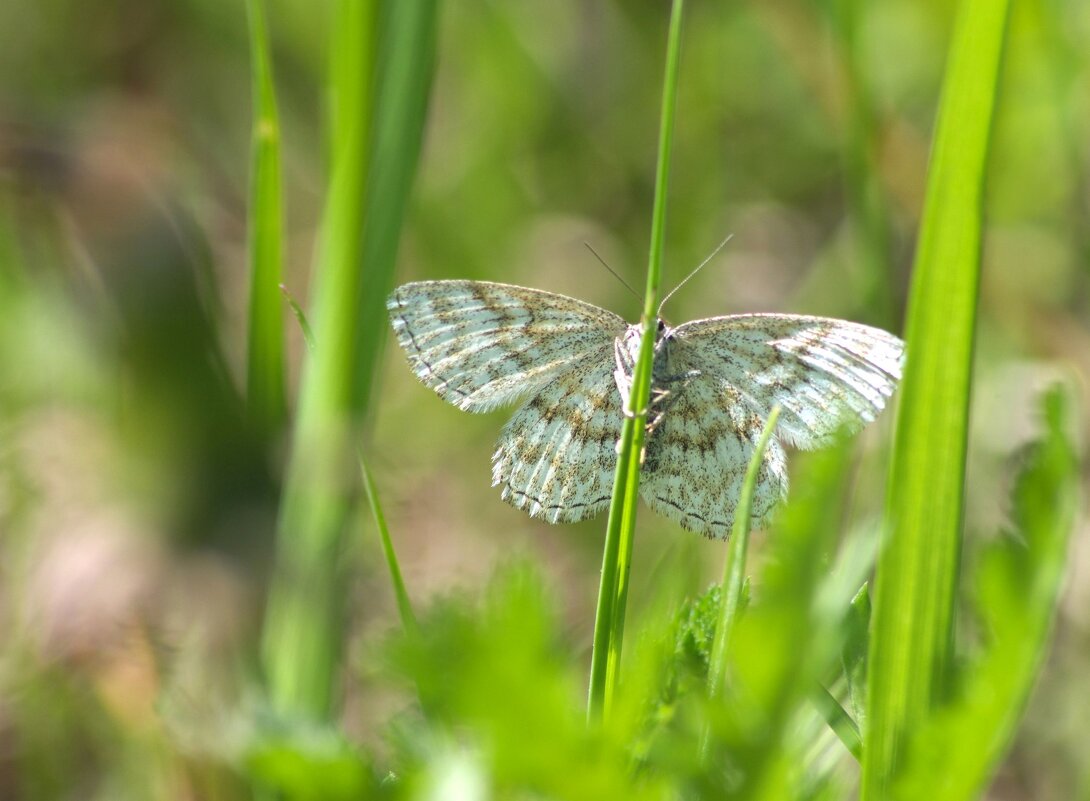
481 345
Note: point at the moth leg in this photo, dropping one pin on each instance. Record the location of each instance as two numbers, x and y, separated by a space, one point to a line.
663 398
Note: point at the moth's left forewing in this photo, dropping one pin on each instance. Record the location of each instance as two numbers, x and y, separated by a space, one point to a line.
827 374
481 345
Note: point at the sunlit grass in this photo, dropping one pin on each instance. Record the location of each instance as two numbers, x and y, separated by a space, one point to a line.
915 600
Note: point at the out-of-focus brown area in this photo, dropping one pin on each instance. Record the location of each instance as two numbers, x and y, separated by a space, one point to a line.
136 512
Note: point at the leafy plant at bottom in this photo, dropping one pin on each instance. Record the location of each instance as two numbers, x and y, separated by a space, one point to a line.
498 698
763 732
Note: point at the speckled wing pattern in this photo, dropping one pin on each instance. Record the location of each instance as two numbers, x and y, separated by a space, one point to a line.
557 455
826 374
481 345
696 459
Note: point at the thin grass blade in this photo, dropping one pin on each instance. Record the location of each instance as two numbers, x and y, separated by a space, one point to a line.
621 527
734 569
300 318
404 605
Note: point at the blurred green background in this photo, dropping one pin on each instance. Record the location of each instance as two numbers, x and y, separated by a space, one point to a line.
137 515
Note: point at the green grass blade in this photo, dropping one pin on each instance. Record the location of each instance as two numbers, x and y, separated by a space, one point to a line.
404 605
407 40
786 640
734 569
853 651
303 625
838 720
620 530
1017 587
917 571
300 318
378 109
265 357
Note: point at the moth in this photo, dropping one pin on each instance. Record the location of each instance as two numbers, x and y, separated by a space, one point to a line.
482 345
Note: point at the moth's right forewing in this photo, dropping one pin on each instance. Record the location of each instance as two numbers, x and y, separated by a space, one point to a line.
481 345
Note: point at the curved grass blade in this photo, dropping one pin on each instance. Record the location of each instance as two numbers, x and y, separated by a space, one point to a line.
734 568
404 605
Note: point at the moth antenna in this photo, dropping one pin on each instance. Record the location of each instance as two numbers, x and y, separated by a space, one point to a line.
685 280
611 270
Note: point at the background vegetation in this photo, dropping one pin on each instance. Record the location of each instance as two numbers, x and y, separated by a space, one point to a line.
193 596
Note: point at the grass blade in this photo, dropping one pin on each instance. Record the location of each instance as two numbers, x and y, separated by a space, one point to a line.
838 720
407 40
734 569
620 530
378 109
786 641
265 358
404 605
1017 586
300 318
917 571
379 103
303 625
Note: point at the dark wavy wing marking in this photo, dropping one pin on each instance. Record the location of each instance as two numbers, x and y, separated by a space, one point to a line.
556 456
480 345
825 373
698 455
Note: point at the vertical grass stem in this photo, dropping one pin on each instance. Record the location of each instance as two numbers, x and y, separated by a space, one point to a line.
617 556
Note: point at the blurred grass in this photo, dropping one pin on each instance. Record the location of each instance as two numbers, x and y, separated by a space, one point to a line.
916 580
1016 587
406 37
265 356
302 639
374 158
